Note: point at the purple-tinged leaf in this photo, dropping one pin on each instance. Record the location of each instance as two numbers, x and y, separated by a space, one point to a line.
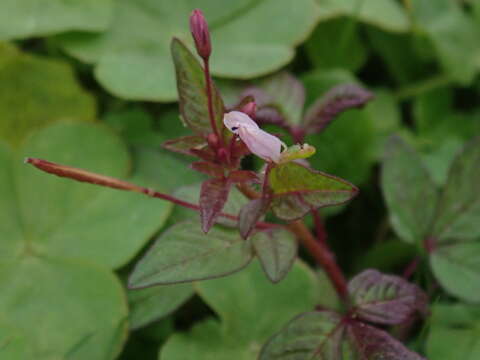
298 189
205 154
281 93
213 196
184 144
241 176
192 93
208 168
334 102
371 343
309 336
325 335
385 299
184 253
250 214
277 251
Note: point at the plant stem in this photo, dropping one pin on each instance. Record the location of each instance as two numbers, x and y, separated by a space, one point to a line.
107 181
322 255
320 251
211 114
319 227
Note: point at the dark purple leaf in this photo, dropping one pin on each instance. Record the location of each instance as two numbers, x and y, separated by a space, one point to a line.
184 144
325 335
385 299
250 214
192 94
371 343
241 176
213 196
337 100
208 168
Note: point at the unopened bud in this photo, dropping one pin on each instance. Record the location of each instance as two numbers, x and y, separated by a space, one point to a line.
250 109
212 140
200 33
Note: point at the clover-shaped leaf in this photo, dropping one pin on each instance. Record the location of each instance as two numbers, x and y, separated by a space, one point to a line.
136 64
240 302
23 18
35 92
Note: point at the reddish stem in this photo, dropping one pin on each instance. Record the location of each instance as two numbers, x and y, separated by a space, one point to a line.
411 268
107 181
319 227
211 114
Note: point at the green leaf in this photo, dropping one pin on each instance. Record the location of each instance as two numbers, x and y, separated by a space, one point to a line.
136 64
63 309
35 92
24 18
457 268
409 192
64 218
277 251
458 213
185 253
298 189
457 324
336 44
192 91
151 304
386 14
454 36
241 301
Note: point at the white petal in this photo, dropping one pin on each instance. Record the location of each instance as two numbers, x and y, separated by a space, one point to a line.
261 143
234 119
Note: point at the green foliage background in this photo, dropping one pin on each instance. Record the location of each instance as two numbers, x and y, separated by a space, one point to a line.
91 84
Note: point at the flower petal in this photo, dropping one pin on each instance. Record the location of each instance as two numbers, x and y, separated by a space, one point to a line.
234 119
261 143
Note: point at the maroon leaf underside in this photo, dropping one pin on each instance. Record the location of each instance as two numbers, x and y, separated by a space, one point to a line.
334 102
242 176
325 335
208 168
185 144
385 299
213 196
250 214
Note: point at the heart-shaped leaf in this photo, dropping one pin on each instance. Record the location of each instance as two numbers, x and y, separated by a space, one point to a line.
136 64
22 18
409 191
35 92
185 253
63 218
151 304
244 323
42 299
298 189
385 299
276 250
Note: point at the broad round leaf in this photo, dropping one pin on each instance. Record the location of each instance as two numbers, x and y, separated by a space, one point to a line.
36 91
26 18
136 64
185 253
65 218
63 309
241 301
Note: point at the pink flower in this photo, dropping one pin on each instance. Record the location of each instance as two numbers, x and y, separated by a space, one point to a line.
259 142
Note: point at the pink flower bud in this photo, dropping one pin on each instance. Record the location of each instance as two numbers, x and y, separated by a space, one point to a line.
249 108
200 33
259 142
